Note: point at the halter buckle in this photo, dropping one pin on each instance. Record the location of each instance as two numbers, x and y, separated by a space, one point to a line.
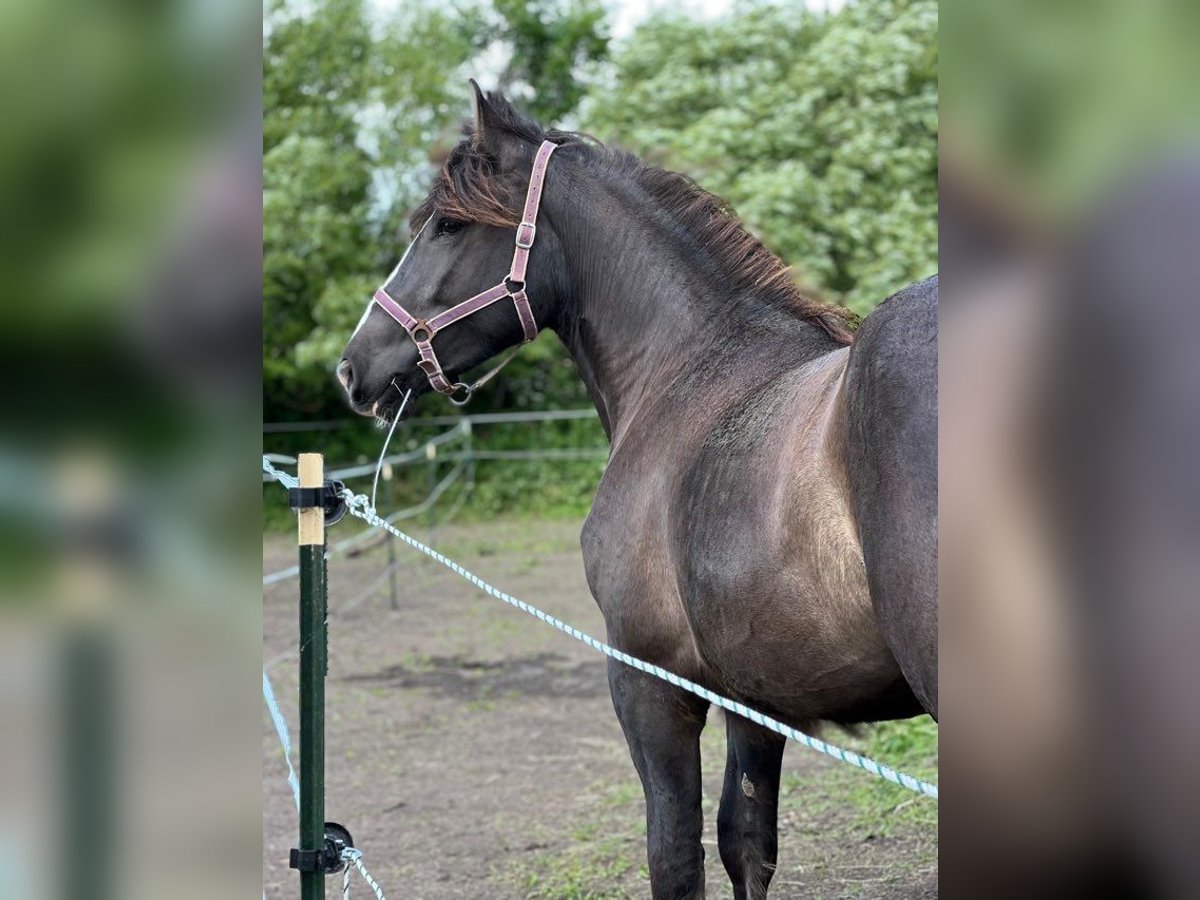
526 244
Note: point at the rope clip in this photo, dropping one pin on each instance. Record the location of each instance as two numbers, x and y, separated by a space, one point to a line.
328 859
327 497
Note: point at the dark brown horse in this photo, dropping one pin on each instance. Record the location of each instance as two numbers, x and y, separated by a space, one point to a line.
766 525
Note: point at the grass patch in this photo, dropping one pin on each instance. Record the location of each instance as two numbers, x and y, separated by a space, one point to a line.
603 858
876 808
587 875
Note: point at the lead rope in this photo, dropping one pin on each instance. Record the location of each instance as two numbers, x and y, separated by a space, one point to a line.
388 440
484 378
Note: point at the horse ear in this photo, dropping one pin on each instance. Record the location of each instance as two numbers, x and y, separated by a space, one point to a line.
478 105
483 116
490 115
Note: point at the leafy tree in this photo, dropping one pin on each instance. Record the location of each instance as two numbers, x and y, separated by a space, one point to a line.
554 47
820 130
357 114
350 110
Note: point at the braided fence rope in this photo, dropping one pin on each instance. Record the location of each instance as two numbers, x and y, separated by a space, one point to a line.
359 506
285 740
350 855
354 855
356 540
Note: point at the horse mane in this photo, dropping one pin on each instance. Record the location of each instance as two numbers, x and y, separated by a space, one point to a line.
468 188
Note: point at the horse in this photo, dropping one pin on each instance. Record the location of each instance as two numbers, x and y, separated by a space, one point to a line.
766 524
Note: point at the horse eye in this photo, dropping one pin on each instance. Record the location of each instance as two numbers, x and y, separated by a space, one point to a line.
449 226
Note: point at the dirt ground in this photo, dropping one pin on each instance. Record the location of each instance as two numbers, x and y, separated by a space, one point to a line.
473 751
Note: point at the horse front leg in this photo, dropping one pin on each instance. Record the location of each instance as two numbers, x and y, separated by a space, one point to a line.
748 818
662 726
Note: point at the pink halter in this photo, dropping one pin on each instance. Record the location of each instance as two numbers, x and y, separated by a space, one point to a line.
422 331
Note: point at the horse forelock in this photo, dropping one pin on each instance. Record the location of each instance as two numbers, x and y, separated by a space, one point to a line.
467 189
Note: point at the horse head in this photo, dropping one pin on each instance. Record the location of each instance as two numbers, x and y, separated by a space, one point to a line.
481 273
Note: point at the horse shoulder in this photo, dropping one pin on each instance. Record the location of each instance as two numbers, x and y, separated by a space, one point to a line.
630 568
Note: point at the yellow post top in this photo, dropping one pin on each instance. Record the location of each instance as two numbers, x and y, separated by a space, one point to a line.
311 469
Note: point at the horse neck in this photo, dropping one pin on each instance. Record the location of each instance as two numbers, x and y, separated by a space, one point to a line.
643 305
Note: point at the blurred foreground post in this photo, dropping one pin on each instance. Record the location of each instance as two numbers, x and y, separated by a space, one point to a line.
89 497
393 599
391 540
89 749
314 658
431 455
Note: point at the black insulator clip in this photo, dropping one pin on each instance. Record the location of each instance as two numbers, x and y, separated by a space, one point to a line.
327 497
328 859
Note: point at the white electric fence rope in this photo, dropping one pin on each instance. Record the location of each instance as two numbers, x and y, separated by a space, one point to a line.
359 506
399 515
354 855
285 740
425 505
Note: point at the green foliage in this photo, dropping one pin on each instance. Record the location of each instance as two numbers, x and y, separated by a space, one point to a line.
350 111
1052 101
552 42
356 115
820 131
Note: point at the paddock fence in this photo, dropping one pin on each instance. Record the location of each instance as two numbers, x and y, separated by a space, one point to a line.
321 498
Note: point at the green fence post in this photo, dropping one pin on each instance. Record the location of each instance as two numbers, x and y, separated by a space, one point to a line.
469 488
389 476
314 656
393 599
432 468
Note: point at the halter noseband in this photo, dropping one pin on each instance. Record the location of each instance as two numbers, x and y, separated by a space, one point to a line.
422 331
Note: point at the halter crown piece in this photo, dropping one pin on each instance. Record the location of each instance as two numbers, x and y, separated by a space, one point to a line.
422 331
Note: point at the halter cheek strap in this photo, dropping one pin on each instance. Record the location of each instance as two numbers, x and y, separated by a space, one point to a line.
422 331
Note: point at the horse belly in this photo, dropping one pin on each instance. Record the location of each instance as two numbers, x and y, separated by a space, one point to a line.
802 641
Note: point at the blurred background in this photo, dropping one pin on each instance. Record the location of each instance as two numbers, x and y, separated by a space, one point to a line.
130 260
1069 429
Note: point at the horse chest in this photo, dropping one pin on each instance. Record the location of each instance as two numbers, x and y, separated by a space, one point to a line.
633 579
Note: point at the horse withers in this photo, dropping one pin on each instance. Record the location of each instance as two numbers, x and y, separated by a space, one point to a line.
766 524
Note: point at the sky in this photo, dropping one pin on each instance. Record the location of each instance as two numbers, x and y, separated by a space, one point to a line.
628 14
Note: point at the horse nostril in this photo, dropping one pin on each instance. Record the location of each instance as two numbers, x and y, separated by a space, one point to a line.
344 373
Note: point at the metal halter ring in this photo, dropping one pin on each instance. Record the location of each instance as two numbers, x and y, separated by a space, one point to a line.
466 398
